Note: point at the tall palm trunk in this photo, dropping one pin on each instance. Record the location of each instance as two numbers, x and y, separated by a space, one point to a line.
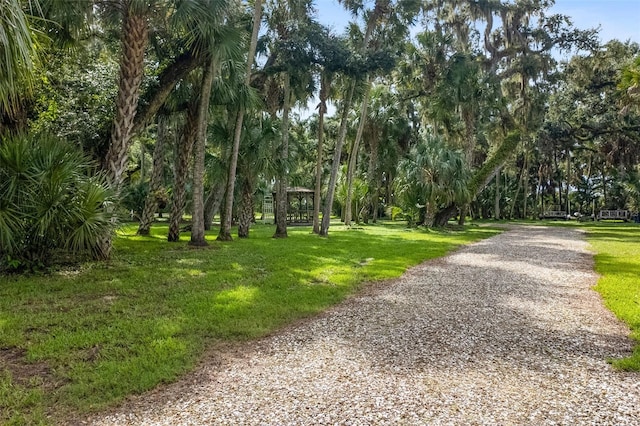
245 214
372 175
520 186
353 156
470 143
496 205
151 202
181 170
134 41
197 220
539 195
281 189
335 165
212 203
325 82
226 216
380 8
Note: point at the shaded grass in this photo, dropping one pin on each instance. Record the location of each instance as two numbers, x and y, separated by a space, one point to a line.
108 330
618 262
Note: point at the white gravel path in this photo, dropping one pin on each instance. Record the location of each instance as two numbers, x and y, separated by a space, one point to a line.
506 331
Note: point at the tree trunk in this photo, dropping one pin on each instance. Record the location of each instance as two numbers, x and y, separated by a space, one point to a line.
525 185
496 204
380 8
181 170
134 41
151 202
156 95
539 194
245 215
353 156
442 216
281 189
470 143
372 196
490 167
325 83
197 221
514 202
335 165
226 216
568 181
212 204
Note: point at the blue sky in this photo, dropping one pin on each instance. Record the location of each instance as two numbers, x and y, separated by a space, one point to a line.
618 19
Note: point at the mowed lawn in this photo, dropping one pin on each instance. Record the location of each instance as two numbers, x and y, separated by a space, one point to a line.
83 338
618 262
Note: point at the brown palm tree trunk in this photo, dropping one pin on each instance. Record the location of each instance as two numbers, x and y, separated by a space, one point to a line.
245 215
470 143
380 8
212 203
227 214
322 109
197 221
335 165
181 170
496 206
281 188
353 155
134 41
372 175
151 202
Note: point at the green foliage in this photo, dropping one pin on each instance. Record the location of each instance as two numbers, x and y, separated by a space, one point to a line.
394 212
109 330
496 160
48 201
432 177
629 86
618 263
134 197
75 99
17 50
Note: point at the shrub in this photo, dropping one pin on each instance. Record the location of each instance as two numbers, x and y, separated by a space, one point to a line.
50 202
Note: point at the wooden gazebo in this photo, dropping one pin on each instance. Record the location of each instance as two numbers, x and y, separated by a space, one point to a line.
300 205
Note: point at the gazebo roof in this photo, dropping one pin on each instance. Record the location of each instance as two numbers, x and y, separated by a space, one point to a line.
298 190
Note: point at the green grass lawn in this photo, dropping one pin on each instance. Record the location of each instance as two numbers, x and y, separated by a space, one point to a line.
81 339
618 262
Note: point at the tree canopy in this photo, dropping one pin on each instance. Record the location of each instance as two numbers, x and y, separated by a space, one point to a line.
427 109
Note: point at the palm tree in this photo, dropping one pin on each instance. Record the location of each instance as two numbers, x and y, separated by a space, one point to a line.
222 46
387 125
281 200
197 221
18 52
381 7
135 16
135 30
50 201
325 83
181 169
155 185
28 30
433 177
255 159
225 226
353 155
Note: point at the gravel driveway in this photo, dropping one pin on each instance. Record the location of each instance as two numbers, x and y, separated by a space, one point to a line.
505 331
